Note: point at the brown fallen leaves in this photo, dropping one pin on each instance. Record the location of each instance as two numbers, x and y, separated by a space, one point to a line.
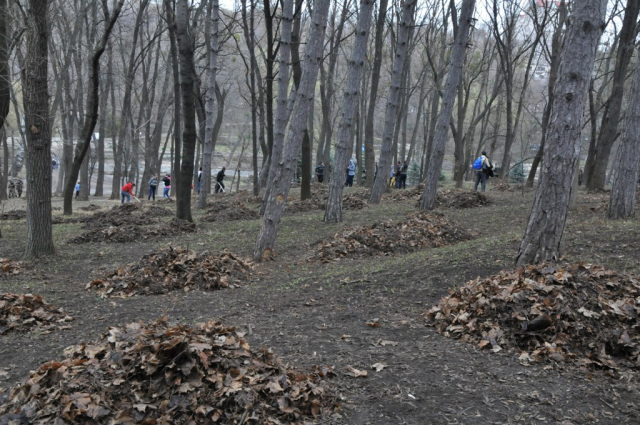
461 199
577 313
230 211
173 269
14 215
418 230
10 268
160 374
22 312
134 232
453 198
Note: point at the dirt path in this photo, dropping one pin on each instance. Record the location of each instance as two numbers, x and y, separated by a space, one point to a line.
317 314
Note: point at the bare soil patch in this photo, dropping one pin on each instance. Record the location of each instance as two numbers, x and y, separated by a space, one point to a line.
174 269
418 230
161 373
581 313
25 312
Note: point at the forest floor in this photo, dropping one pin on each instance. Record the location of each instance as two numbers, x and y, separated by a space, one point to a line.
313 313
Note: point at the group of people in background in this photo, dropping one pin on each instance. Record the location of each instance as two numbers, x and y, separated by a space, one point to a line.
398 176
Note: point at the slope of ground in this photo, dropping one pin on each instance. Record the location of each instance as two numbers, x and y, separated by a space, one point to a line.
357 316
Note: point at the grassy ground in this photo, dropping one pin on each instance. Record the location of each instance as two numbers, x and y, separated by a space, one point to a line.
312 313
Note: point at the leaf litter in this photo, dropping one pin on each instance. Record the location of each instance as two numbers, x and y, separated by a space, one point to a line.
453 198
418 230
9 267
23 312
573 313
174 269
134 232
14 215
162 373
230 211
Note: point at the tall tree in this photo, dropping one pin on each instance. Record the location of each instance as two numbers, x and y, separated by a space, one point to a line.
92 105
282 112
442 126
281 180
408 10
333 211
35 96
369 153
622 202
5 93
598 159
541 241
209 142
185 47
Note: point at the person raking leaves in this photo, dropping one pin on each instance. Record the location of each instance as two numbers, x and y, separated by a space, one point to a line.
127 191
219 180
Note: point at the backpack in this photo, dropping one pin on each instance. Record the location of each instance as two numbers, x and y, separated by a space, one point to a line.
477 164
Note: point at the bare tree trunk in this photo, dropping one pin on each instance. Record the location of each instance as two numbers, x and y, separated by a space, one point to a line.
442 126
541 241
5 93
369 153
381 181
185 45
333 212
102 125
282 112
92 109
207 151
304 96
177 113
598 159
35 96
623 200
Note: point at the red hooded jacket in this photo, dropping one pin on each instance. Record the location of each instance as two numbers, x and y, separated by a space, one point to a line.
128 188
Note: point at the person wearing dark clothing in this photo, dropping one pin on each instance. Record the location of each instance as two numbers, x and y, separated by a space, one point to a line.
580 177
167 186
482 175
351 172
219 180
199 178
320 172
19 188
397 174
403 176
153 187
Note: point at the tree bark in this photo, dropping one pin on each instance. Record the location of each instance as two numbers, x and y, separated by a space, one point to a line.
36 119
177 113
541 241
442 126
598 159
333 211
282 112
185 47
304 96
5 93
210 107
92 108
622 202
381 181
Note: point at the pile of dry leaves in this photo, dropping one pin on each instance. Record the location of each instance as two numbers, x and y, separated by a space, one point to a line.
91 207
564 313
21 312
133 232
173 269
14 215
418 230
228 211
158 373
461 199
10 268
411 193
157 211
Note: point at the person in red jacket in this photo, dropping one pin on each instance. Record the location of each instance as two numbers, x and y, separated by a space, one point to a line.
127 191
